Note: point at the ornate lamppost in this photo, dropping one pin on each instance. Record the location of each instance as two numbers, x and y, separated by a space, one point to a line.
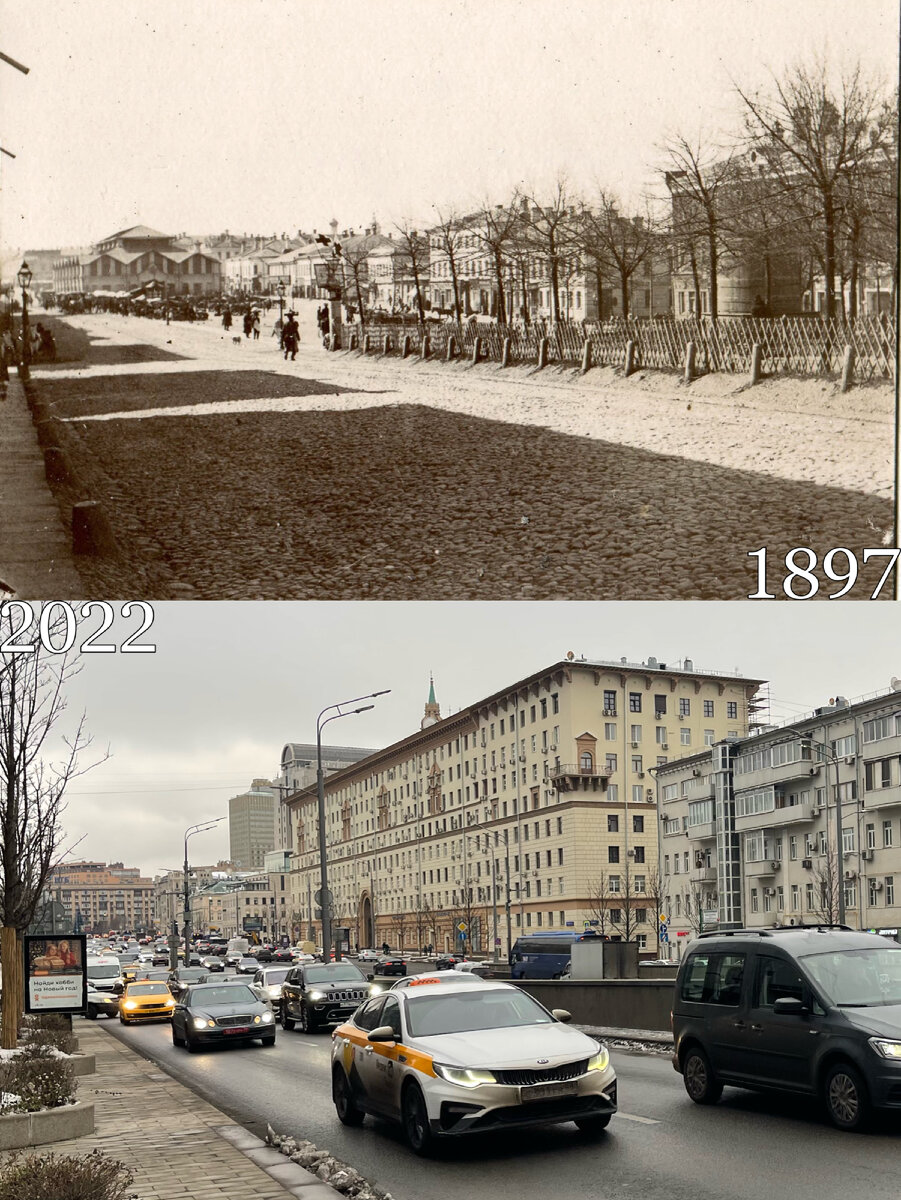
24 278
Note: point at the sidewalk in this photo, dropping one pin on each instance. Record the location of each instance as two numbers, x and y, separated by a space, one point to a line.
36 559
179 1146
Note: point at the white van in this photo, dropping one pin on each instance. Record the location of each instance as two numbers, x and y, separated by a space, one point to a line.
104 972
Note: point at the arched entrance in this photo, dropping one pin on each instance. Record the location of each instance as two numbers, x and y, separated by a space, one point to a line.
365 926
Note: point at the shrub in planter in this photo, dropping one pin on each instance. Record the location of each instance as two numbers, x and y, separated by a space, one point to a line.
57 1039
64 1177
37 1080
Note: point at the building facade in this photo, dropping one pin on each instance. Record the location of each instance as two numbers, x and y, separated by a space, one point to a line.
253 825
531 809
298 770
773 829
97 897
135 258
253 904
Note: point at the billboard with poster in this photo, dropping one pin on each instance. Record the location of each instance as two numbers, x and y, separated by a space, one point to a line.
56 973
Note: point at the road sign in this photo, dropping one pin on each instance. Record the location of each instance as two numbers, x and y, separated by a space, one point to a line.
317 895
462 926
664 920
497 941
711 917
462 935
664 935
570 923
586 924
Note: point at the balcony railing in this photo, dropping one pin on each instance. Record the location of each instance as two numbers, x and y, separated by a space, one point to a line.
571 777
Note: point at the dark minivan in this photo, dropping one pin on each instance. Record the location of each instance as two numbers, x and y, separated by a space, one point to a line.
807 1009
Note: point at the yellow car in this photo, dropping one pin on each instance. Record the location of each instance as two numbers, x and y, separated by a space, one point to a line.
146 1001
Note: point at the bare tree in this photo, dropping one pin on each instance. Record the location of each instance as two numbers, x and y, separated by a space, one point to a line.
654 890
413 261
694 908
826 882
697 175
548 227
812 135
32 703
449 234
599 895
496 227
353 254
625 924
616 243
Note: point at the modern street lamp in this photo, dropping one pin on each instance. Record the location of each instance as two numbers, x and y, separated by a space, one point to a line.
24 277
325 897
201 828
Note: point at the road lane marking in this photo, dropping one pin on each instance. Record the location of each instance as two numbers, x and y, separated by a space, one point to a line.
632 1117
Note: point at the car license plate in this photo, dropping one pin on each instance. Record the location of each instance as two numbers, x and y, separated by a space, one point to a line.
239 1029
548 1091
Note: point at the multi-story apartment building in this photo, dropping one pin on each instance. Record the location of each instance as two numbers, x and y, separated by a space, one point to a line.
253 825
298 770
168 891
98 897
775 828
246 904
529 809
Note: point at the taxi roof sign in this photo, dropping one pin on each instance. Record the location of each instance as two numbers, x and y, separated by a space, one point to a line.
420 982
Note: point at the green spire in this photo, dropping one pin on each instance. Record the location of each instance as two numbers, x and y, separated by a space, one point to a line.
432 699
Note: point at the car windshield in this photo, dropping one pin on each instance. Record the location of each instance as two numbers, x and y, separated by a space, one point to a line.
276 976
336 974
475 1009
191 976
148 989
232 994
858 978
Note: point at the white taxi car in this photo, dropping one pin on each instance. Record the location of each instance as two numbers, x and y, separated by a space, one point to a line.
447 1060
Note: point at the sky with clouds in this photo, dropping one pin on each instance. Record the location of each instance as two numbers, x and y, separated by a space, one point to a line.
191 725
271 115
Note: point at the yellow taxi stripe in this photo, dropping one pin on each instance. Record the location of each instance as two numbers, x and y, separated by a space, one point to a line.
412 1058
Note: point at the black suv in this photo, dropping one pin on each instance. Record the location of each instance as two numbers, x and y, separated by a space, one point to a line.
322 994
807 1009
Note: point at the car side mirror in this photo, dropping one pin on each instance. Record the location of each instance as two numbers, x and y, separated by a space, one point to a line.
789 1006
384 1033
561 1014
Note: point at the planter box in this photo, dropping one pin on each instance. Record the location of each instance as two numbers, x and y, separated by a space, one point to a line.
18 1130
83 1064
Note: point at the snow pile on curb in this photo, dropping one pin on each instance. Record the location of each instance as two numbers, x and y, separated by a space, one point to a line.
336 1174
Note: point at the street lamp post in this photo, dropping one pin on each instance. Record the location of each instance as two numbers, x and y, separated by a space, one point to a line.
24 277
201 828
281 301
324 895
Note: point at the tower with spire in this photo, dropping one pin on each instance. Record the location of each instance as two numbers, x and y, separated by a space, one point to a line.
432 713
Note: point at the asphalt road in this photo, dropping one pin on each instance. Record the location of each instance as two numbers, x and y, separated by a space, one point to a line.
659 1147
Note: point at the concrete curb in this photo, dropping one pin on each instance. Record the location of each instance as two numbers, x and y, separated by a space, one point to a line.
18 1130
295 1179
83 1064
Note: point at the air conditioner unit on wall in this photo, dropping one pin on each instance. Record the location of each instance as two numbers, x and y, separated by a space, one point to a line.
769 891
775 864
807 862
635 745
867 855
664 745
849 759
876 885
850 874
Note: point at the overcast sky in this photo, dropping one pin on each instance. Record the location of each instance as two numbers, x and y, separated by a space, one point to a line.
230 684
273 115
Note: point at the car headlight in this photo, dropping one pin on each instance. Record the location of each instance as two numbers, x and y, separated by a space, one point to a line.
204 1023
130 1004
375 988
464 1076
886 1049
266 1018
600 1061
275 991
316 995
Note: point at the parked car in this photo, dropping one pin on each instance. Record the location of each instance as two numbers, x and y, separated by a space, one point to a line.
318 994
468 1058
813 1010
220 1012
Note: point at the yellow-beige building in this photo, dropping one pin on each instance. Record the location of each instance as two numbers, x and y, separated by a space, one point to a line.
530 809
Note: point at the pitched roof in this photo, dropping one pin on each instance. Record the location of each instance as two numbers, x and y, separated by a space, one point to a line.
136 231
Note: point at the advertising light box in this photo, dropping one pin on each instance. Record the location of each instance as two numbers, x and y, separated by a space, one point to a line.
56 973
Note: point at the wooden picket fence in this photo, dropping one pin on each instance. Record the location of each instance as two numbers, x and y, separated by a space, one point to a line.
789 345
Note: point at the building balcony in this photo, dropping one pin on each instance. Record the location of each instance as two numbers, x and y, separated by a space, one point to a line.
571 777
703 874
791 814
706 829
889 797
766 866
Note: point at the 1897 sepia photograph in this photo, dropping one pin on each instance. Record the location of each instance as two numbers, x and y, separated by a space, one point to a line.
422 430
513 301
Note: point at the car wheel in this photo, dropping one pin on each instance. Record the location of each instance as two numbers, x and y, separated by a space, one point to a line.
192 1046
845 1097
122 1020
592 1125
345 1105
415 1120
287 1022
700 1081
307 1021
176 1040
91 1013
268 1040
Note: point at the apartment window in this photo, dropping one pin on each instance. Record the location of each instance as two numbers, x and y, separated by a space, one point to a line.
614 883
755 901
878 774
886 833
848 839
767 900
610 731
613 793
873 897
610 703
685 737
586 761
639 884
793 848
635 734
871 837
708 737
638 824
780 898
532 716
890 889
613 854
666 864
555 708
795 898
610 764
639 855
684 707
612 823
850 895
636 763
808 897
660 735
543 709
637 793
732 710
634 701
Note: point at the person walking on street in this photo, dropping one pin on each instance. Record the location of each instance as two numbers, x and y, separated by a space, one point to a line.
256 326
227 320
291 337
248 323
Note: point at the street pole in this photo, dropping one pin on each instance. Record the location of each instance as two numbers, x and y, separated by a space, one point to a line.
324 895
838 842
186 915
507 897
